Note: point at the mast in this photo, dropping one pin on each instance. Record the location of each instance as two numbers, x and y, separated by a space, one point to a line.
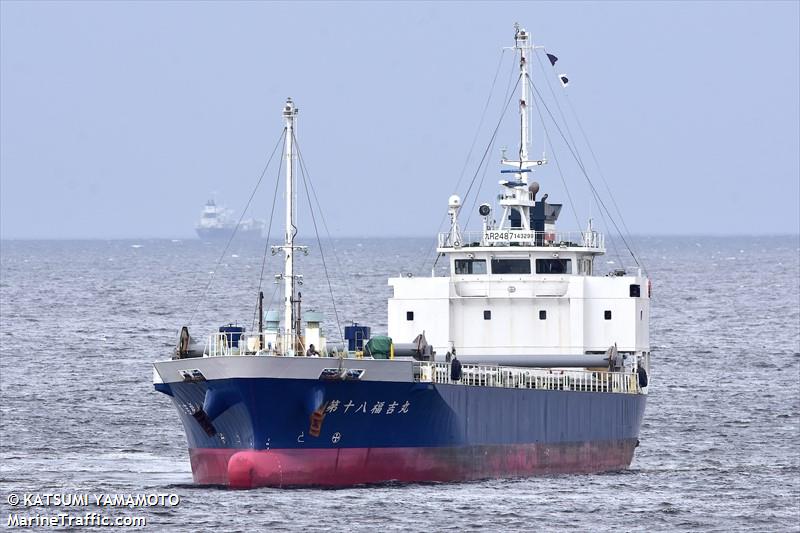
518 198
523 45
289 116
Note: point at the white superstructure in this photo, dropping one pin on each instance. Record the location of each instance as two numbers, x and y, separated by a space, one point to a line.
214 216
519 287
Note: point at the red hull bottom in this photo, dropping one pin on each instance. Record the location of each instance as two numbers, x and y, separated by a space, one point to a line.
355 466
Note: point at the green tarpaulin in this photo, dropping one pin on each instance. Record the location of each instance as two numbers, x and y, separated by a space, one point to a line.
379 347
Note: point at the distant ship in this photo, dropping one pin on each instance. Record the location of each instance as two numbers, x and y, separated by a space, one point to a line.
216 225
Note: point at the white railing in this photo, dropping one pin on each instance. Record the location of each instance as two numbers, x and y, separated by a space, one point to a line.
222 344
225 344
561 239
532 378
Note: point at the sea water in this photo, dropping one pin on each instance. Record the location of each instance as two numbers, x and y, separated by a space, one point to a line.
82 321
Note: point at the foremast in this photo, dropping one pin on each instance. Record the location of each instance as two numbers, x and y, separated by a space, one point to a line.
290 279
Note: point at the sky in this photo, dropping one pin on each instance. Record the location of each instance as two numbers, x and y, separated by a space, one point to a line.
120 119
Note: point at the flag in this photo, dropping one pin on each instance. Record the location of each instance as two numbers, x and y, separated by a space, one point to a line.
552 59
564 80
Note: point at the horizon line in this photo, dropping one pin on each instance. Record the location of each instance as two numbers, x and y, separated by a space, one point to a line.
312 237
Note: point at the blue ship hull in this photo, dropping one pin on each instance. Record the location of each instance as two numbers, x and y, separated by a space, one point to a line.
247 432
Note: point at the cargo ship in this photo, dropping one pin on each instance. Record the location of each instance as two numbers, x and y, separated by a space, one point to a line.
215 224
524 359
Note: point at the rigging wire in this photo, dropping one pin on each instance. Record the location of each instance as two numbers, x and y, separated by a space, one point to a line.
471 148
491 141
602 177
478 192
586 175
591 151
480 122
549 142
321 211
558 106
486 152
483 158
269 234
577 152
569 196
595 197
511 77
595 194
303 173
233 234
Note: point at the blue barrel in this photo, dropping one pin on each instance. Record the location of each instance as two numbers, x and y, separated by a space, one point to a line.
232 334
356 336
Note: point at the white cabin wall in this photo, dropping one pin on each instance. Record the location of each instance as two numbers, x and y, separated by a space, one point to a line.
643 321
577 317
625 328
429 300
450 312
514 328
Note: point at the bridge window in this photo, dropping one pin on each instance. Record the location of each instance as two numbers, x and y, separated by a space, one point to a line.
511 266
470 266
554 266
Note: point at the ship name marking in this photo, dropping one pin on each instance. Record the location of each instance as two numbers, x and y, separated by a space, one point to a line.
377 408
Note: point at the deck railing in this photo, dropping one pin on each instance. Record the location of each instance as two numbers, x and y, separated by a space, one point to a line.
221 344
532 378
226 343
559 239
625 382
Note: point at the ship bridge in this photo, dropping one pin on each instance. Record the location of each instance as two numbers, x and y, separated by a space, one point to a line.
518 289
